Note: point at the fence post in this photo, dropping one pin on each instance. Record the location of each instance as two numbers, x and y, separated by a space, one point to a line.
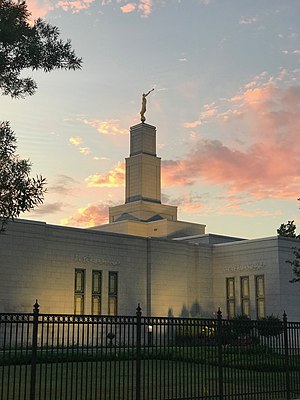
34 349
286 356
138 351
220 355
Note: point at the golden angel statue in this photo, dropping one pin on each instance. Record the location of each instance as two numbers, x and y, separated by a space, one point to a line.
144 102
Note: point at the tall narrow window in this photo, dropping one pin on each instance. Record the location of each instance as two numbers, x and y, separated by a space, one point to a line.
113 293
245 296
230 295
96 292
260 296
79 291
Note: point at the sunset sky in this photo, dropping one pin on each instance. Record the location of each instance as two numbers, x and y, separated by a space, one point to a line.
226 107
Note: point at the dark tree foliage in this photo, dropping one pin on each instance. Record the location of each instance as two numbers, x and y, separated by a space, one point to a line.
295 263
270 326
18 191
288 230
24 46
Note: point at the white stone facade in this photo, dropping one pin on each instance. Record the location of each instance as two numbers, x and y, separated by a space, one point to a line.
181 277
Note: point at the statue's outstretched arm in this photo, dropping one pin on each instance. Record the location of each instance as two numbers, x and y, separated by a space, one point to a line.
149 92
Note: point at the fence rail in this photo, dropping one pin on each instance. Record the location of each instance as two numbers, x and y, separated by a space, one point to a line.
78 357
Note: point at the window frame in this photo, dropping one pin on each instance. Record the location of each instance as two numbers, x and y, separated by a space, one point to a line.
245 297
79 293
113 294
230 300
96 294
259 297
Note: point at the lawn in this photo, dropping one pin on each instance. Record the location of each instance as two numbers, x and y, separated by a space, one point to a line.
166 373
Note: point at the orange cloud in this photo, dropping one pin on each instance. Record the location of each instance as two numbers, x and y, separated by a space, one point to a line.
267 167
75 140
114 178
128 8
107 127
84 150
75 5
192 125
92 215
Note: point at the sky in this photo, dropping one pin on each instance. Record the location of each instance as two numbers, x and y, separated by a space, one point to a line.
226 106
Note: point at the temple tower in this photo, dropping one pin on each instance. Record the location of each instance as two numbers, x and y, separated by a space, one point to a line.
143 166
143 181
142 214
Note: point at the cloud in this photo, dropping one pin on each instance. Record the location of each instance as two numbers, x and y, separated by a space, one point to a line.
92 215
128 8
84 150
63 185
74 6
38 8
146 7
267 166
192 125
247 21
114 178
106 127
75 140
100 158
250 84
210 110
50 208
206 2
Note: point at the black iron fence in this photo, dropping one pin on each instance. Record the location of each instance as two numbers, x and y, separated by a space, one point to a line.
71 357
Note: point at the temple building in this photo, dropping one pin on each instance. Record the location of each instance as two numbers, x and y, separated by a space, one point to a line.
144 255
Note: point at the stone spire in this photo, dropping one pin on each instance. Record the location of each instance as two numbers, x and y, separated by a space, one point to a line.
143 167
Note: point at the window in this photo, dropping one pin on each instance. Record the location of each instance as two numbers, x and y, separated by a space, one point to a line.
260 296
245 296
79 291
113 293
96 292
230 295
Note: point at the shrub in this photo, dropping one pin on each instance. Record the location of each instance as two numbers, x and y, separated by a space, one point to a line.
269 326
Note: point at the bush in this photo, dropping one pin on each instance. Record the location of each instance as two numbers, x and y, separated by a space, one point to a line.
270 326
241 326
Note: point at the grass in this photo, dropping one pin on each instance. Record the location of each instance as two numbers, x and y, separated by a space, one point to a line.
166 373
160 379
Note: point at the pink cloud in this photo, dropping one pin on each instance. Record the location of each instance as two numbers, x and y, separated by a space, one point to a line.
75 5
113 178
146 7
128 8
210 110
192 125
269 166
91 215
250 84
38 8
